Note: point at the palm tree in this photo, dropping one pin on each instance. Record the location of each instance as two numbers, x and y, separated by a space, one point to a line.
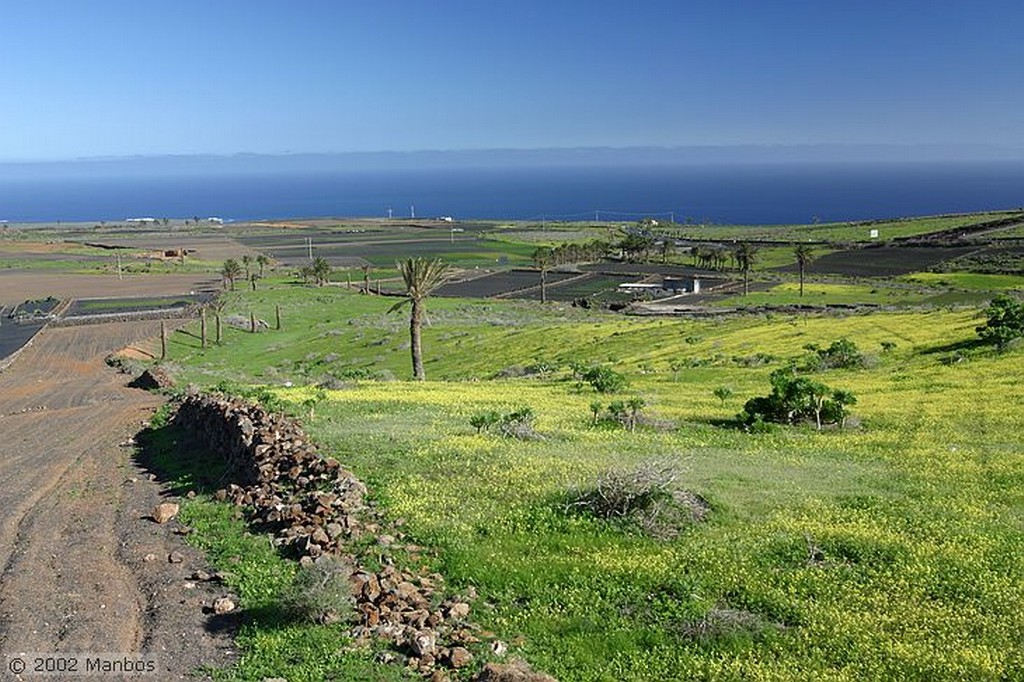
804 255
542 259
366 277
321 271
247 263
746 256
231 271
421 277
263 261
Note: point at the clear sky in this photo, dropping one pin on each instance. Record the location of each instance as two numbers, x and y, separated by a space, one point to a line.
110 77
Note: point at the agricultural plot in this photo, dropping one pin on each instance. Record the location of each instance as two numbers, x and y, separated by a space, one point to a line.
883 261
507 283
384 251
107 306
840 232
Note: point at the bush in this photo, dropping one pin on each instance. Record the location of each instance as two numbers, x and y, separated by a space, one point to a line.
1005 321
603 379
795 399
484 420
517 424
321 592
646 496
842 354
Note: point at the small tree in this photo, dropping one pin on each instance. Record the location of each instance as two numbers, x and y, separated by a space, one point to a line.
321 271
723 393
1005 321
262 261
231 271
542 258
247 264
366 277
804 255
746 256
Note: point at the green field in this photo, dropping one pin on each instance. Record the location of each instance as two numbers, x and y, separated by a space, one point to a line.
888 550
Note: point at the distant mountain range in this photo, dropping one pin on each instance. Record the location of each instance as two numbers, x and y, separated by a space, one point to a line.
508 158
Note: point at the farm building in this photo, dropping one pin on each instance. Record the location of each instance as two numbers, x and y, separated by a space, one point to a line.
669 286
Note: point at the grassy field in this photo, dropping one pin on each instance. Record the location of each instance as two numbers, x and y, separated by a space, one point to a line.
888 550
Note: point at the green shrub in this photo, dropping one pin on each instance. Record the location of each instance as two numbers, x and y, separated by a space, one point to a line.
1005 321
795 399
602 379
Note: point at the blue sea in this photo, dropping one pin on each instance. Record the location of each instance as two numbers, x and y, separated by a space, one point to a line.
754 193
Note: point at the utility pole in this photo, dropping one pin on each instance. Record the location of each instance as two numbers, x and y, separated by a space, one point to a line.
119 277
309 245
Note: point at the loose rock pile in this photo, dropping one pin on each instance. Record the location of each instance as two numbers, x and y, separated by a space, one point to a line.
314 507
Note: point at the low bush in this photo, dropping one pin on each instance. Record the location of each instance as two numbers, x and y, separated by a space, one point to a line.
517 424
602 379
841 354
646 497
321 592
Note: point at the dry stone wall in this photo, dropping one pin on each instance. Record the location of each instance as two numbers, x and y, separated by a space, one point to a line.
314 508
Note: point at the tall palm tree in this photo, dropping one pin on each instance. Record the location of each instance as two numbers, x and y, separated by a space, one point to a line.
804 255
263 261
746 256
421 277
542 258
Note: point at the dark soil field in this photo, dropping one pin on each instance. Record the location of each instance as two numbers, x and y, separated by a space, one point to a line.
101 306
501 283
13 336
882 261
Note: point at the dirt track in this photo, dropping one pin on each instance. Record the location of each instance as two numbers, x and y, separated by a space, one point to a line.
73 533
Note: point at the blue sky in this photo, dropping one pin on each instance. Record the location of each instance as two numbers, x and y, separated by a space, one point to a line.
109 77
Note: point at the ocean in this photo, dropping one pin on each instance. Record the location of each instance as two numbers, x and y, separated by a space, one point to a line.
752 193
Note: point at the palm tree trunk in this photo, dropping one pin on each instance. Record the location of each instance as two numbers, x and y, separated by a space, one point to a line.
415 326
543 286
801 280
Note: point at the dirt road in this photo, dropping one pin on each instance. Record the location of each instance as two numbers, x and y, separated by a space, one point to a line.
83 569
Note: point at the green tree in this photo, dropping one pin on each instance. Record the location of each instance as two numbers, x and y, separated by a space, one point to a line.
746 256
723 393
542 258
321 271
420 277
1005 321
247 264
263 261
804 255
231 271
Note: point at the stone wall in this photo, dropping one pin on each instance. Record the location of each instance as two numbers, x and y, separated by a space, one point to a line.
313 508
